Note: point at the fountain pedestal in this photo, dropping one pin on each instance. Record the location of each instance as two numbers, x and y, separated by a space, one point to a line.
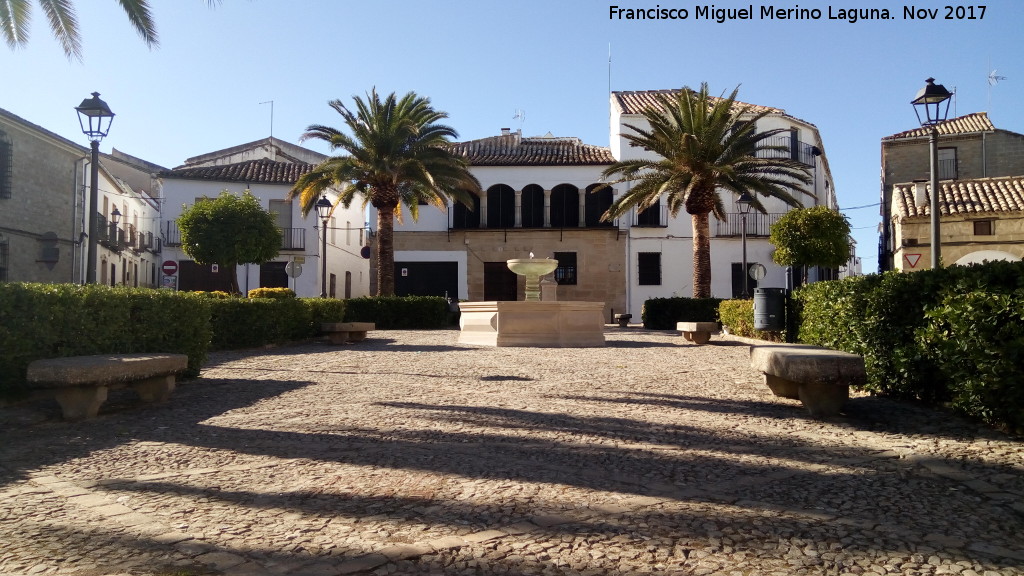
533 324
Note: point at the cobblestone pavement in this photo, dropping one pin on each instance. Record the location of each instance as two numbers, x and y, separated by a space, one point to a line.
411 454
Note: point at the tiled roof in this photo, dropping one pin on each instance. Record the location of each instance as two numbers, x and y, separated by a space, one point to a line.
514 150
637 102
964 197
971 123
262 171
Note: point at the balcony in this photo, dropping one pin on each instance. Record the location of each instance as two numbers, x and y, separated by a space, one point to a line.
789 148
654 217
172 236
758 225
293 238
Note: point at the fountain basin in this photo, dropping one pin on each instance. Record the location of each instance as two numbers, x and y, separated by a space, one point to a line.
532 266
535 324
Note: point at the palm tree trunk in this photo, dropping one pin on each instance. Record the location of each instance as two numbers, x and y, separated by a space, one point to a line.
701 255
385 251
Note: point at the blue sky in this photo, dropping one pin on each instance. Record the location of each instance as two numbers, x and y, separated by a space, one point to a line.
482 60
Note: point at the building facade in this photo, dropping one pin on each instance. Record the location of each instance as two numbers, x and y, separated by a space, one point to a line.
44 194
977 163
539 197
267 168
536 200
660 247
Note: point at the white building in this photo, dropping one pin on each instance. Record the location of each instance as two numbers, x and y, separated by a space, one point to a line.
268 168
660 248
537 198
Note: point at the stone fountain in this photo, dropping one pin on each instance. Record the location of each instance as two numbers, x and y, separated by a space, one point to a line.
532 322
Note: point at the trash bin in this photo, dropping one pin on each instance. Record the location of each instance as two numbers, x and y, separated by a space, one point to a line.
770 309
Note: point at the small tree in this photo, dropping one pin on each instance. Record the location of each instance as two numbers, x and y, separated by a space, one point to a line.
229 230
817 236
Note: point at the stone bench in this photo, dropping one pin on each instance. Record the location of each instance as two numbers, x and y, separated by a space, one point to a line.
341 332
697 332
623 319
80 383
820 378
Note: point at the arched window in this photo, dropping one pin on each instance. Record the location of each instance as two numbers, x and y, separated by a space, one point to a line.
463 217
501 206
565 206
533 206
597 203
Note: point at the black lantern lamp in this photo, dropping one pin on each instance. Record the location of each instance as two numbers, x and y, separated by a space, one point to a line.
95 118
323 210
743 203
930 100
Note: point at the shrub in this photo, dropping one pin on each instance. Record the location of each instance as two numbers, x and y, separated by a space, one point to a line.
896 321
738 317
977 342
399 312
53 320
663 313
248 323
276 293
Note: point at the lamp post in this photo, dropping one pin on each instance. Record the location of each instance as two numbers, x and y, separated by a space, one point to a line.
929 100
743 203
323 210
95 117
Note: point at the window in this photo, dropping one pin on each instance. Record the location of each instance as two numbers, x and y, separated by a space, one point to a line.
947 164
6 163
648 265
566 271
501 206
983 228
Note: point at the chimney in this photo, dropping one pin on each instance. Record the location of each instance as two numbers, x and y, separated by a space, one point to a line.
920 199
506 131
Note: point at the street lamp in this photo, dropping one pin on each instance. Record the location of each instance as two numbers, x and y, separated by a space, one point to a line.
929 100
744 202
323 210
95 117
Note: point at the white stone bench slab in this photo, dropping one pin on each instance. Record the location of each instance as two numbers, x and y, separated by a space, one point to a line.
819 377
80 383
697 332
341 332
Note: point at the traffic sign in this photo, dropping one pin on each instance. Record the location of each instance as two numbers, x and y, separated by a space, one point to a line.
912 259
169 267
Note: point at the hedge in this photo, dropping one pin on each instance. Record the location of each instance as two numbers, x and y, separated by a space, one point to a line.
663 313
252 322
399 312
920 333
53 320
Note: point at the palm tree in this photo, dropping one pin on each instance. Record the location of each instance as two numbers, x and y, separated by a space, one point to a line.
16 15
704 145
397 154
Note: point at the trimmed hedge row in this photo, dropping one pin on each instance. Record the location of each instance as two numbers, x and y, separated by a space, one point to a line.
52 320
932 335
399 312
738 317
252 322
663 313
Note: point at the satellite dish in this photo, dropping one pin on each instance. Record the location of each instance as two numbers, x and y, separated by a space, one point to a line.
365 252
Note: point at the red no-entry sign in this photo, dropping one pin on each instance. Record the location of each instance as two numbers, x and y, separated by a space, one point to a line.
169 267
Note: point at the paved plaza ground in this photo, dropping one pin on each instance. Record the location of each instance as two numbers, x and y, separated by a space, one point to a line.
411 454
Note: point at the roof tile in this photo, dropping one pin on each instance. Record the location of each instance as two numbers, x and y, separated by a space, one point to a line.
262 171
514 150
964 197
969 124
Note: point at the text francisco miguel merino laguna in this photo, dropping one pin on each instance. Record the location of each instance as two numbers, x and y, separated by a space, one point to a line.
721 15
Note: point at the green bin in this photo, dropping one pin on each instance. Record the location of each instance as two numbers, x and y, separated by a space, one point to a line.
770 309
